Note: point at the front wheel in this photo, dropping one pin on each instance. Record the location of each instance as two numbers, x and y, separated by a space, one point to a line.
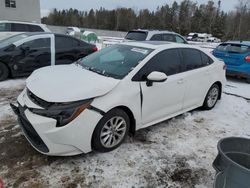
111 131
212 97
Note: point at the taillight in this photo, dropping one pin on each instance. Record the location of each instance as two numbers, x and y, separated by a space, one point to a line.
95 49
247 59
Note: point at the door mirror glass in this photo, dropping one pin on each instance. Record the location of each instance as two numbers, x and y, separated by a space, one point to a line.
156 77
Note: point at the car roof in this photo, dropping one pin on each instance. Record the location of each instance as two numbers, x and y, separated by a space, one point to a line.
247 43
43 33
153 31
155 44
10 21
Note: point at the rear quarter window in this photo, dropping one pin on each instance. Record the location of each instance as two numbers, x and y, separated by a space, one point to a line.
206 59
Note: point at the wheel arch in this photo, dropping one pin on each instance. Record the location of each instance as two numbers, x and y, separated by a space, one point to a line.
220 87
8 67
131 116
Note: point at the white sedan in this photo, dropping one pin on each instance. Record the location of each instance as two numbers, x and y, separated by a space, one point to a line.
94 103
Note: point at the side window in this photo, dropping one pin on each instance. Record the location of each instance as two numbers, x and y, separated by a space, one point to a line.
179 40
157 37
66 42
206 59
168 37
19 27
5 27
192 59
38 43
167 61
35 28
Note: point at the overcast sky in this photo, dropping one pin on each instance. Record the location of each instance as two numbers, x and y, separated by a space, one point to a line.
47 5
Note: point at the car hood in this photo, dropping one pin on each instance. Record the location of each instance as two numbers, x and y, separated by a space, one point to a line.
68 83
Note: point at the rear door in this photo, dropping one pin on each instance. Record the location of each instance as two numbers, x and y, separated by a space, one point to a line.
197 76
67 49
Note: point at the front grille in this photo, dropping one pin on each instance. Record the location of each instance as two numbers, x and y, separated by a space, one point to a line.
30 132
37 100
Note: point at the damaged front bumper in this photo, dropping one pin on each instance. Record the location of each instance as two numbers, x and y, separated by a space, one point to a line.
42 133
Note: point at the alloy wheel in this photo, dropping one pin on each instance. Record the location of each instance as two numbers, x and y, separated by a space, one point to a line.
113 132
212 97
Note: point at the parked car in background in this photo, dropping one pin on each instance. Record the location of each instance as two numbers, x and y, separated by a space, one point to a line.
213 39
23 53
203 37
154 35
236 55
8 28
94 104
192 36
73 31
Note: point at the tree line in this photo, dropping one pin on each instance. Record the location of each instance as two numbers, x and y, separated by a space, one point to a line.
184 17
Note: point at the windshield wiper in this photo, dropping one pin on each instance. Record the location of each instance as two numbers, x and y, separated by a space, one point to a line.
103 73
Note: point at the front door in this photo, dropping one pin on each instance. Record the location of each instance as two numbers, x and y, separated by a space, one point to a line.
162 99
33 53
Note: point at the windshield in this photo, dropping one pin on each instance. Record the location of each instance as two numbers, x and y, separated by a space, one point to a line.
136 35
11 40
115 61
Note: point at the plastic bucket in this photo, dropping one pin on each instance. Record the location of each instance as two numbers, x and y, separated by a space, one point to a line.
233 163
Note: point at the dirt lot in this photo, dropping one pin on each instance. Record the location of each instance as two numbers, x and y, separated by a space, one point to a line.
175 153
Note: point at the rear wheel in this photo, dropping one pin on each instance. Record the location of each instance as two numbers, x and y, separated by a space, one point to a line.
4 72
212 97
248 80
111 131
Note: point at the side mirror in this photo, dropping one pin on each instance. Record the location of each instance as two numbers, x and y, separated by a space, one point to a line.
156 77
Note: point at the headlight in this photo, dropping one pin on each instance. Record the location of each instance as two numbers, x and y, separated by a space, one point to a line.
64 113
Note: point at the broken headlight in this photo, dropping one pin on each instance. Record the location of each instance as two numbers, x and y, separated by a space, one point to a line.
64 113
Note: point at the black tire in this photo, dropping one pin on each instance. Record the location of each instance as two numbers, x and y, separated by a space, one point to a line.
4 72
96 142
248 80
207 105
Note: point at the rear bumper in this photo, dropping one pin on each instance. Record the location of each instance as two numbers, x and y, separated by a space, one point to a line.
240 71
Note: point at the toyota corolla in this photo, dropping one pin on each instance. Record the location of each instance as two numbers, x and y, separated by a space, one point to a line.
94 103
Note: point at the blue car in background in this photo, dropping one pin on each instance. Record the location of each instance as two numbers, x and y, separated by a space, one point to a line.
236 55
